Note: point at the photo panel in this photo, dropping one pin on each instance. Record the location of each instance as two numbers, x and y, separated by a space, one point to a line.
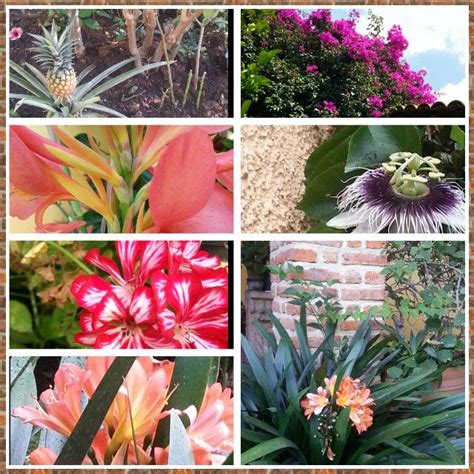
142 411
361 179
121 179
353 353
120 295
110 62
397 61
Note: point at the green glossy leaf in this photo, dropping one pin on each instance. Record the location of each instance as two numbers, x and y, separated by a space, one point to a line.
458 135
180 450
372 145
325 175
20 317
342 427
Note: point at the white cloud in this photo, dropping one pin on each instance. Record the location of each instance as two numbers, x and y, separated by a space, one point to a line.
453 92
427 28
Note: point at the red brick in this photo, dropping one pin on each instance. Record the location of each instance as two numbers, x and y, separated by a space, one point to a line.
302 255
362 294
364 258
375 244
374 278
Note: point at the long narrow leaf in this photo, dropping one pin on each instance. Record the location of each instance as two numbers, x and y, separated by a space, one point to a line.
121 78
22 72
80 440
266 448
400 428
104 110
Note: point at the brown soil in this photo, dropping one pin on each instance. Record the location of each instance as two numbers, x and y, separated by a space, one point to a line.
142 95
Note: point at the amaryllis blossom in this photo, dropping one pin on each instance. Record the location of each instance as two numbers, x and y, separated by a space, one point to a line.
406 195
16 33
128 429
162 294
136 179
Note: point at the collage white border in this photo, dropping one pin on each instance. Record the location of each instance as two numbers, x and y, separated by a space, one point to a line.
237 236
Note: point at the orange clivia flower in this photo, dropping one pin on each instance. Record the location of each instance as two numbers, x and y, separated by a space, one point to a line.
315 402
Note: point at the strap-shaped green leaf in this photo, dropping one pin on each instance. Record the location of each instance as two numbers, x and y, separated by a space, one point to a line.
78 444
271 446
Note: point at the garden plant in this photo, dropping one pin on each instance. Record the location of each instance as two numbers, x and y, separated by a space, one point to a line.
170 50
121 411
368 399
306 64
124 178
378 179
127 294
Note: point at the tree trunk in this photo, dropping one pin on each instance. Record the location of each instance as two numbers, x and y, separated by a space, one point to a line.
131 20
79 49
149 18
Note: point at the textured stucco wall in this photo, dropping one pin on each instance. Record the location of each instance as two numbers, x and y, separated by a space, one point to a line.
273 160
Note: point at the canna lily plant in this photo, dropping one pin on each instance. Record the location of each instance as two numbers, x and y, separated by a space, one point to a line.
58 90
122 179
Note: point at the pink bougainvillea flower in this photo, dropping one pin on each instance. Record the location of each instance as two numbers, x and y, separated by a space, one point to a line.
16 33
200 313
142 396
211 429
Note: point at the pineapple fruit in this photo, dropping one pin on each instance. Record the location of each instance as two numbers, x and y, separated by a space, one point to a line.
55 54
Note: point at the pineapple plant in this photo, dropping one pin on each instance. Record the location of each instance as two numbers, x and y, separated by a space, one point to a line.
55 54
57 91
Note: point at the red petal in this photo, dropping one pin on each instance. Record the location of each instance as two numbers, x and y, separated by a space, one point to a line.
128 253
143 308
106 264
183 179
110 309
158 283
89 291
155 257
181 291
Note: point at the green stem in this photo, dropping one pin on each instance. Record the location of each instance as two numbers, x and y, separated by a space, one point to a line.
71 257
34 306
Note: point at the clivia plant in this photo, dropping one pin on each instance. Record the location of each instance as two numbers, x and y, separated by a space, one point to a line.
124 178
123 411
333 405
57 89
378 179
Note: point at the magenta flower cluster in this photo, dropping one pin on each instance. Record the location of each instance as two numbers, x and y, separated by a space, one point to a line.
330 43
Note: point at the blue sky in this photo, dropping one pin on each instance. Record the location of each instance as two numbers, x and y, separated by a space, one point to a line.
438 41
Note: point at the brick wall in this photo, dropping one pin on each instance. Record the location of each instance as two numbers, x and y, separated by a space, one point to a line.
356 265
209 2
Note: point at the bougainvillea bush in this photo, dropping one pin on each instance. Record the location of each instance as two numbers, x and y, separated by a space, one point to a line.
123 410
122 295
308 65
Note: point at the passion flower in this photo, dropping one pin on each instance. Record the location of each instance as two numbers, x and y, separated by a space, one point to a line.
408 194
